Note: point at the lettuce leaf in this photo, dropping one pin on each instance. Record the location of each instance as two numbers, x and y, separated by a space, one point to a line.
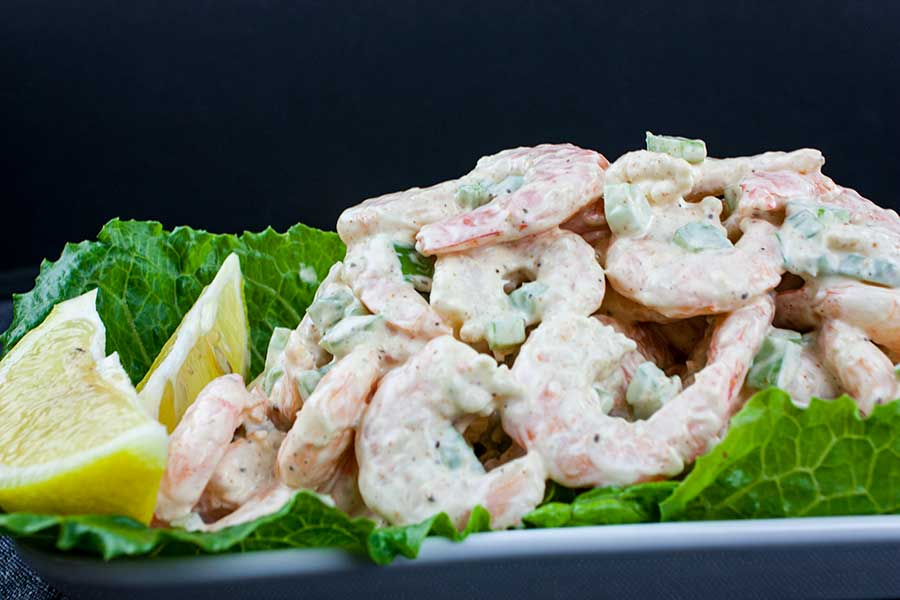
304 522
778 460
605 506
149 277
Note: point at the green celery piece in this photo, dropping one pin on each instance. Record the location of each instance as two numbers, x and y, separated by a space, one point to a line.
778 353
779 460
525 298
649 389
697 237
327 311
277 343
626 208
148 278
473 195
693 151
505 332
805 222
304 522
350 331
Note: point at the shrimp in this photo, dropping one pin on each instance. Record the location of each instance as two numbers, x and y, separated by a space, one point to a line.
557 180
247 466
344 489
811 379
624 310
863 370
765 194
714 175
471 289
679 283
265 502
324 428
583 447
873 309
373 270
677 260
413 461
200 441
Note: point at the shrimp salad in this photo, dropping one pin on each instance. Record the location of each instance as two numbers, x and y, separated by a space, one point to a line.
549 316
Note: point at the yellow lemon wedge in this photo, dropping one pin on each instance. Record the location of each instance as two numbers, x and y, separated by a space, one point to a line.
213 339
74 438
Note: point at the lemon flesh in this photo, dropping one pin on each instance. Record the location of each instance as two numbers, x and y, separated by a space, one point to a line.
212 339
74 438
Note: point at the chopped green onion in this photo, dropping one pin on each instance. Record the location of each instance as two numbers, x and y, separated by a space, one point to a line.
416 268
627 210
649 389
697 236
693 151
506 332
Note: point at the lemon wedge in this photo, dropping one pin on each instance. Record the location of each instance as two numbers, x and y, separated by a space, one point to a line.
74 438
213 339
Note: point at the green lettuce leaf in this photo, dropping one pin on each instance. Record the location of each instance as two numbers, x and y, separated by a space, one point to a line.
149 277
778 460
304 522
605 506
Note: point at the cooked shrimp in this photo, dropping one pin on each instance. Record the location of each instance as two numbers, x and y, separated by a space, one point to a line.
673 256
557 180
471 289
373 270
201 440
863 370
413 462
871 308
583 447
811 379
714 175
247 466
324 428
266 501
765 194
679 283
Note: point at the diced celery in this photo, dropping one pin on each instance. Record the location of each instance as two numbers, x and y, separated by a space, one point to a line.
307 381
806 223
697 236
271 378
506 332
473 195
693 151
732 197
832 215
775 362
277 342
857 266
507 186
327 311
627 210
604 399
350 332
649 389
526 297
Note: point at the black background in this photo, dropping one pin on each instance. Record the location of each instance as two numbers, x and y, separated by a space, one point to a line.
232 115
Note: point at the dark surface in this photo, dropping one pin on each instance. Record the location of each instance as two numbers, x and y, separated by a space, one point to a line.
240 114
790 558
